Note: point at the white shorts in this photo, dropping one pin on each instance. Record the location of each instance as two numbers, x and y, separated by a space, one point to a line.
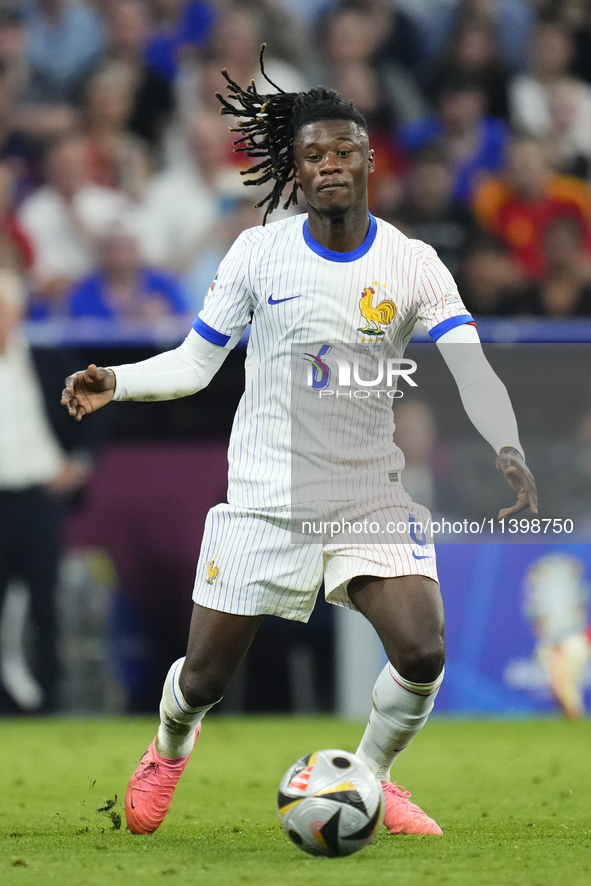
250 565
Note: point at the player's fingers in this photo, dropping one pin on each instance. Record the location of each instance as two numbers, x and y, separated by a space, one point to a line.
93 374
508 512
532 499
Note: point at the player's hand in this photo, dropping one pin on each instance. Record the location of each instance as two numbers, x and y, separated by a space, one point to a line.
87 391
510 462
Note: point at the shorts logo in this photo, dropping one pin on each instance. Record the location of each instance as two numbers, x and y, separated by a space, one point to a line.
380 315
418 536
212 572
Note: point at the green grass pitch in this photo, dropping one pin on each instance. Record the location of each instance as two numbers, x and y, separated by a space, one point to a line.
513 798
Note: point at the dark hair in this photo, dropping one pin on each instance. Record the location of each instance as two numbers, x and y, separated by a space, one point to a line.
268 125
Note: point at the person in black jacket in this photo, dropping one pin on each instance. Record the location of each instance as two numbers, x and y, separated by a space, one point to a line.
42 465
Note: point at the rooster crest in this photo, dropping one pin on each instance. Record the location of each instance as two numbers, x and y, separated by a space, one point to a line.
212 572
381 315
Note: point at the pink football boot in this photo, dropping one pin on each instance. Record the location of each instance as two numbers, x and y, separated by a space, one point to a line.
150 789
402 816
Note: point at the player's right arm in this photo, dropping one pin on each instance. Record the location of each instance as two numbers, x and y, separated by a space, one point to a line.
186 369
168 376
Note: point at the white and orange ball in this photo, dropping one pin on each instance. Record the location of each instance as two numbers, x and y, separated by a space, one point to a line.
330 803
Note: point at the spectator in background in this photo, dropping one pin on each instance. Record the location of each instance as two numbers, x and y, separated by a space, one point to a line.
488 276
518 206
65 41
569 147
185 200
181 28
513 20
152 98
39 469
575 15
547 101
565 289
474 49
401 41
235 45
349 46
122 288
16 249
64 218
429 211
17 150
118 158
213 247
472 142
283 31
32 115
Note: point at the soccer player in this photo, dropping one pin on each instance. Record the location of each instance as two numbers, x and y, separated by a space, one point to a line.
307 279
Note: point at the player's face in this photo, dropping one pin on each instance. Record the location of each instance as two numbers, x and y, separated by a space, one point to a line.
333 159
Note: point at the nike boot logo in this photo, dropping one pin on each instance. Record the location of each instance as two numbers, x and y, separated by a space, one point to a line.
277 301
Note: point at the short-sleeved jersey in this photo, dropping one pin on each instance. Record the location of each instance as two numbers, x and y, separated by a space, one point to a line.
299 295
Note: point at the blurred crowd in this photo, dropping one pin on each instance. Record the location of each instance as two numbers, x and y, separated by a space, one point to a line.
120 191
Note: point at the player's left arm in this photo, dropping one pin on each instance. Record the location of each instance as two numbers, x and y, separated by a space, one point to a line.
483 394
487 404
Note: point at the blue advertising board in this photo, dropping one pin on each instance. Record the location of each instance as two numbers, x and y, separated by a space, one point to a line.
492 666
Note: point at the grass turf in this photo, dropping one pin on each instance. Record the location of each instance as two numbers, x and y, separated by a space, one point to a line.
514 799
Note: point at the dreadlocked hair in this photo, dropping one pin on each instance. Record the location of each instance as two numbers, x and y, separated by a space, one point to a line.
268 124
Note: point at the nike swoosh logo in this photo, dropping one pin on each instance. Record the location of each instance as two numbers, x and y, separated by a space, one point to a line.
423 557
277 301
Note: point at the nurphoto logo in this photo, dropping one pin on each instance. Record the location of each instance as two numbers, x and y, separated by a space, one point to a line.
373 375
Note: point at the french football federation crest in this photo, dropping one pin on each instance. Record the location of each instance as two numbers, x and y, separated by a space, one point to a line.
376 316
212 573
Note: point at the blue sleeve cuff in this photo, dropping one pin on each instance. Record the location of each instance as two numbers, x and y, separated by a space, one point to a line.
210 334
448 324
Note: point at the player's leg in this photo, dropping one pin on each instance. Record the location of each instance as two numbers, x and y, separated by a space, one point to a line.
407 613
234 587
218 641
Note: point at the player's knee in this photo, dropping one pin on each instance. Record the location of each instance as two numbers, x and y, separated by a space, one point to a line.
421 664
201 688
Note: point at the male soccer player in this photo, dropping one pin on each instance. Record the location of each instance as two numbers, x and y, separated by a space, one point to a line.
301 280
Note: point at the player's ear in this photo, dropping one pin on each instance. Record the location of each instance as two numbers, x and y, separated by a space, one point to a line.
371 161
297 173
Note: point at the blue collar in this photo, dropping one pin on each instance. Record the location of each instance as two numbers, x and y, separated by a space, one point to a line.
330 255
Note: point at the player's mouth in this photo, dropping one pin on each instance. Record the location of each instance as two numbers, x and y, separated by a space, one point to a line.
332 186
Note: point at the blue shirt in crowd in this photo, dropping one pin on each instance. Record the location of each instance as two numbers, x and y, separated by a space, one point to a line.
489 155
89 297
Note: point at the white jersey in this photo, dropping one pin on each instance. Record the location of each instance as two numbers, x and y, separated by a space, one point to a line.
302 297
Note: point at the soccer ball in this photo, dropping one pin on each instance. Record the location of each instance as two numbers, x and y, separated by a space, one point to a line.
330 803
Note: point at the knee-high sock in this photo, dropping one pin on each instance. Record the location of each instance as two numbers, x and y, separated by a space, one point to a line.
178 721
400 710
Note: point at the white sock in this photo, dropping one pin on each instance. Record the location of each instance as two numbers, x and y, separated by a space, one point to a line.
178 721
400 710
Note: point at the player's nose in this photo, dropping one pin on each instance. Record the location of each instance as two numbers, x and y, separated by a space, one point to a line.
330 163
